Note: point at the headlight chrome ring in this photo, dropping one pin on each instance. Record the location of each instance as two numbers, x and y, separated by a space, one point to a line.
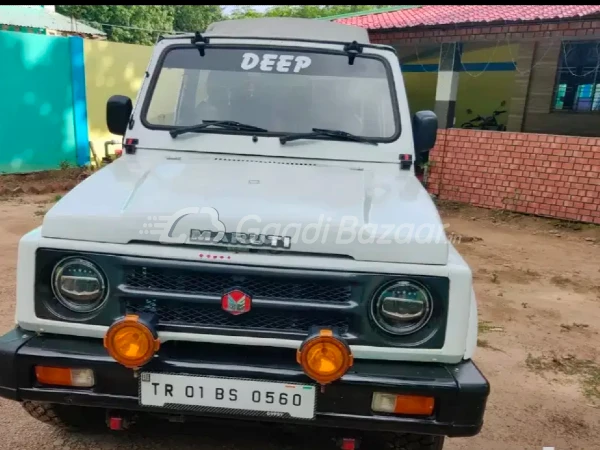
401 307
79 285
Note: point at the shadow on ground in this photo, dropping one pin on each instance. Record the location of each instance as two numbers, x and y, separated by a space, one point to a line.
160 434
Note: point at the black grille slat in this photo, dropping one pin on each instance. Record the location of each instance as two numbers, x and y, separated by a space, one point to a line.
182 281
202 315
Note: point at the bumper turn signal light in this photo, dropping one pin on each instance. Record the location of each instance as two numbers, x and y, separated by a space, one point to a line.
132 341
324 356
410 405
62 376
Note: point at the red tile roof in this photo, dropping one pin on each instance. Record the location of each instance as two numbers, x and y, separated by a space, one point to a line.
432 15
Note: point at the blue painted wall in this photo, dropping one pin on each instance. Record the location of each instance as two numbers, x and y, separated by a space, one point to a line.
42 111
80 117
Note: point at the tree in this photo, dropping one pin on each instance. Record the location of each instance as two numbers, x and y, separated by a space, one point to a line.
196 18
136 24
245 12
305 11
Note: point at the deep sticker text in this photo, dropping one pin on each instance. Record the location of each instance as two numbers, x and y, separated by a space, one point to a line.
270 61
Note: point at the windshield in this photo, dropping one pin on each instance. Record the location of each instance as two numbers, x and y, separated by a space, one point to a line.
283 91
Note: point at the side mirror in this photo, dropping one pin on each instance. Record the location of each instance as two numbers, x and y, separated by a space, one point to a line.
469 111
424 125
118 112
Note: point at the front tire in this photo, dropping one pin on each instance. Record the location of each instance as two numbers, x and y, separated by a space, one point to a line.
66 417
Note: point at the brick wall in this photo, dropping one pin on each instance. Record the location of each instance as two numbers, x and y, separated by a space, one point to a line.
547 175
583 29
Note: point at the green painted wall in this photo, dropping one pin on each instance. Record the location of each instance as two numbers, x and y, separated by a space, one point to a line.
420 90
478 89
482 91
36 114
420 85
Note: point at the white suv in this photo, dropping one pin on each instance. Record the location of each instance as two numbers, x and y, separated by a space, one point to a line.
262 250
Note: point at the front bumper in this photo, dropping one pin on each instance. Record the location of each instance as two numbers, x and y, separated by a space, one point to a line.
460 390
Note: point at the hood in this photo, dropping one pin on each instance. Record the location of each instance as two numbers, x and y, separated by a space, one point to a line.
380 214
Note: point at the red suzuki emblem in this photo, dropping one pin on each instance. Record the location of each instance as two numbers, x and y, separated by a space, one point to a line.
236 302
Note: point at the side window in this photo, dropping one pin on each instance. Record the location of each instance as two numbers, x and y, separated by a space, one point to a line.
577 88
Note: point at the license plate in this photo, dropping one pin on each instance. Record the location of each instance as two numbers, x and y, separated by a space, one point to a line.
248 397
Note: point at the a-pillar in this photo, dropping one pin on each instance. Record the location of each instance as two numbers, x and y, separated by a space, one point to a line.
447 84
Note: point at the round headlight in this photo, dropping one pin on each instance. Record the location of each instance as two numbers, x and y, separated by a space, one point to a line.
401 307
79 285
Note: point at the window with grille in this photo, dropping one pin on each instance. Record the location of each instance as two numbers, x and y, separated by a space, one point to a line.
578 78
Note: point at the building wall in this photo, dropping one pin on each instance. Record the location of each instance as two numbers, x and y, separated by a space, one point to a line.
38 112
419 67
548 175
538 117
56 103
110 68
487 78
533 82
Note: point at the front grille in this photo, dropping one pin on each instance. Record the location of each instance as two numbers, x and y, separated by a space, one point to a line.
171 312
182 281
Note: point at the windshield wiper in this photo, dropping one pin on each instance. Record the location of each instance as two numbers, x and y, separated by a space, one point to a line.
227 124
338 134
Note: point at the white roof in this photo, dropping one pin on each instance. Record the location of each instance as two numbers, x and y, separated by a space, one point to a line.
288 28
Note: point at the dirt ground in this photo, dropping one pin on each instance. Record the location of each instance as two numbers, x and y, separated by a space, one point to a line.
538 288
46 182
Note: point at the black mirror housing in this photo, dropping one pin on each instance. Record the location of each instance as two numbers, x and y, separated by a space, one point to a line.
118 112
425 126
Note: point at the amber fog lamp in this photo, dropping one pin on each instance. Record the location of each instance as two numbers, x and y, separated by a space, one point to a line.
132 340
324 356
